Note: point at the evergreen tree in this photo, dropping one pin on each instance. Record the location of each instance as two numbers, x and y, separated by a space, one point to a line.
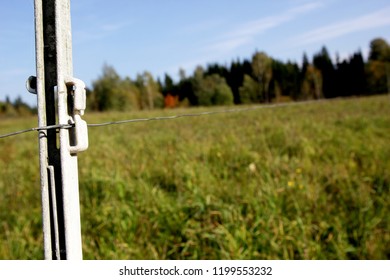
236 75
358 74
168 87
350 76
185 89
286 78
323 62
305 62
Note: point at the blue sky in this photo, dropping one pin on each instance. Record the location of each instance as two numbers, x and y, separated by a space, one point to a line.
163 36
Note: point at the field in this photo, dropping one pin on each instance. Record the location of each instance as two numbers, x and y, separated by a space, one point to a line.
300 182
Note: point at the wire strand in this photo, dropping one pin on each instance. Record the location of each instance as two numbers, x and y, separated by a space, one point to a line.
188 115
49 127
234 110
155 118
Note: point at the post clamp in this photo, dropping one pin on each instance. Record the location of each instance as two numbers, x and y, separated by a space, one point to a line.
78 135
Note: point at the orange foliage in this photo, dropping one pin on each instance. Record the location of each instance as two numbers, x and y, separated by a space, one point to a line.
171 101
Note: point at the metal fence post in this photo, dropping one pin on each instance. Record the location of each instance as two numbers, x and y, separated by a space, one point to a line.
61 100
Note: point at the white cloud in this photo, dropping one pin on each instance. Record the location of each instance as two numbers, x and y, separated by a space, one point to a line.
246 32
228 45
373 20
256 27
242 35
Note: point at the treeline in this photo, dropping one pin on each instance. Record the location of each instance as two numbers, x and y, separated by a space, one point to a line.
260 79
16 108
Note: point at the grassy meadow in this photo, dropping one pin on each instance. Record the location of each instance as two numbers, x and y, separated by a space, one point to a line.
309 181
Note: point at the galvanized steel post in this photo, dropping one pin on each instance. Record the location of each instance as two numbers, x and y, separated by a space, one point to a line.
61 100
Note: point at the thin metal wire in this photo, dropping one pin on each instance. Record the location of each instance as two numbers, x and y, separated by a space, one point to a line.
158 118
49 127
234 110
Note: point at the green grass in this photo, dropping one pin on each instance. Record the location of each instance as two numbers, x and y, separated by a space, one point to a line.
301 182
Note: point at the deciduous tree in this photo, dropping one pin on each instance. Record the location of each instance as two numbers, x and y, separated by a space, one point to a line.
150 95
250 90
262 71
312 84
211 89
111 92
378 66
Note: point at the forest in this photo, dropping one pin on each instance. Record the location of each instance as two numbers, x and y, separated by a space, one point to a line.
260 79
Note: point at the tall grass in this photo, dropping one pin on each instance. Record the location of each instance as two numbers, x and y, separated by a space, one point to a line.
300 182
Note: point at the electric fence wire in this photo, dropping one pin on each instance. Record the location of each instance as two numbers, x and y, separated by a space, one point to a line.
49 127
234 110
